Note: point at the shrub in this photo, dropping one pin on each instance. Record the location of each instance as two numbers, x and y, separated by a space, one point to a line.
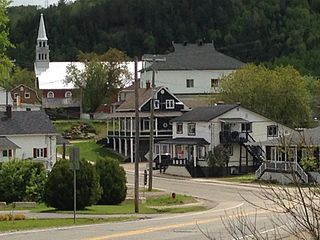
59 186
112 180
309 164
10 217
218 158
21 180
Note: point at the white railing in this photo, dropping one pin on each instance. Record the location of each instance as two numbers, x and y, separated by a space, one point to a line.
282 166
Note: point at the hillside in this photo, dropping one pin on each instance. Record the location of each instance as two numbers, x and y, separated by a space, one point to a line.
274 31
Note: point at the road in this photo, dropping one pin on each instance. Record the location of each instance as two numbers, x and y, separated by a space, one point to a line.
228 199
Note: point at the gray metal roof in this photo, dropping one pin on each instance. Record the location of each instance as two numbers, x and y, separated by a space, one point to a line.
196 57
205 114
26 122
5 143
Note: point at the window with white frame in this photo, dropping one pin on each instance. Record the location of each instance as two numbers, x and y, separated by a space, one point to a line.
39 152
26 95
246 127
145 124
191 129
5 153
156 104
15 95
68 94
179 128
50 94
169 104
190 83
272 131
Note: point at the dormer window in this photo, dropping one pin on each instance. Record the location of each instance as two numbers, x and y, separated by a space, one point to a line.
156 104
50 94
170 104
68 94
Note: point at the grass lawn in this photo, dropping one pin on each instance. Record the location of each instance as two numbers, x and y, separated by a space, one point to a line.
127 207
91 151
45 223
247 178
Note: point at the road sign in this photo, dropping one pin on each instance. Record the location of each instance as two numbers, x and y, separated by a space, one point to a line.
74 158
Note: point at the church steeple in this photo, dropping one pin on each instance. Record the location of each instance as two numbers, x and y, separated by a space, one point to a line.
42 48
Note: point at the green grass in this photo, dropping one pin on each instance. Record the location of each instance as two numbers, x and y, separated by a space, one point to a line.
91 151
127 207
247 178
45 223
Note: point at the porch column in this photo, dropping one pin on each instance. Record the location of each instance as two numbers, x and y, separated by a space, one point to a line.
125 147
120 147
113 126
114 143
173 151
131 139
195 155
156 126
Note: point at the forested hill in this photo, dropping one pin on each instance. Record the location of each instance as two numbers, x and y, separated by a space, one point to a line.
273 31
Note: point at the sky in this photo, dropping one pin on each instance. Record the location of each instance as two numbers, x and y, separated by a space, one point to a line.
32 2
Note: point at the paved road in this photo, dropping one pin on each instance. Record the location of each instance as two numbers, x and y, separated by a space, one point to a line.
177 226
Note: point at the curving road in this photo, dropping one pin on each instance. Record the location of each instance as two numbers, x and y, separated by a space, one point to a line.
173 226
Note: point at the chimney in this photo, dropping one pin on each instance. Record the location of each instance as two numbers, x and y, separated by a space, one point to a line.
147 84
8 111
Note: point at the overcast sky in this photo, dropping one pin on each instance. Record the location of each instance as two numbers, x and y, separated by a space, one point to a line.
32 2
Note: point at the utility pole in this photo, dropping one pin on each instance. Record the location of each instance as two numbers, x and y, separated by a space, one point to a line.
154 59
136 147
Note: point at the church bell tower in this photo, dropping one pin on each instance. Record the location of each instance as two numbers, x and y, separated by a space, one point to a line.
42 48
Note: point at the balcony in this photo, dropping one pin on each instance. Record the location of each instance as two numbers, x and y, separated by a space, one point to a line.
232 137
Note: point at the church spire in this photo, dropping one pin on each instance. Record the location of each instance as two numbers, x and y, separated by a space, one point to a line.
42 48
42 30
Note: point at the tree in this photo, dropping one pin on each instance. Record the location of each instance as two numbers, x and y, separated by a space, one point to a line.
21 181
279 94
21 76
58 189
5 63
112 180
101 78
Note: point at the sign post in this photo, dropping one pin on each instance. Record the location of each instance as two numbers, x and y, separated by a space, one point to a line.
74 165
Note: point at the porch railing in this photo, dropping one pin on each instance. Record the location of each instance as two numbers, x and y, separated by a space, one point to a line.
282 166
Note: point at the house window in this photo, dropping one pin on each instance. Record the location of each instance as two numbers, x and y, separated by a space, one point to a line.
191 129
145 125
190 83
5 153
272 131
68 94
228 150
39 152
214 83
170 104
28 109
26 95
246 127
156 104
15 95
50 95
179 128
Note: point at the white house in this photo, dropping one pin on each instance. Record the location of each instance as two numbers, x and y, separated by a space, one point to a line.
27 134
190 69
232 126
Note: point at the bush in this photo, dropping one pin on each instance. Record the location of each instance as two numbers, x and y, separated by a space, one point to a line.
10 217
309 164
22 180
112 180
59 187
